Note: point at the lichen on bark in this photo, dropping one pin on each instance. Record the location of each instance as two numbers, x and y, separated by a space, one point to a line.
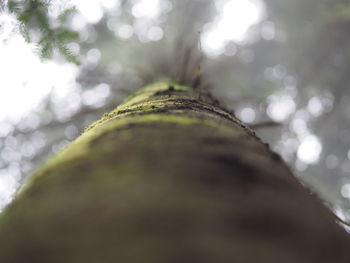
168 176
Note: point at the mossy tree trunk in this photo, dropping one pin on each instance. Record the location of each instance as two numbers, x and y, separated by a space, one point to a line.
169 176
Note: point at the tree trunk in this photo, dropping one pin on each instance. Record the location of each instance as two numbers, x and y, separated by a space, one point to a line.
169 176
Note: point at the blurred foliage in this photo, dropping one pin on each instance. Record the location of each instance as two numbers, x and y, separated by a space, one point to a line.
50 33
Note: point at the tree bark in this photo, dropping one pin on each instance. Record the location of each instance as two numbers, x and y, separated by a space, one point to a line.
169 176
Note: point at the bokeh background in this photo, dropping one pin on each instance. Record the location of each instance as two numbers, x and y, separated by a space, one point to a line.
64 63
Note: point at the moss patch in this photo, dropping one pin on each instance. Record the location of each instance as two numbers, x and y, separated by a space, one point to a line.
158 88
81 146
162 102
149 99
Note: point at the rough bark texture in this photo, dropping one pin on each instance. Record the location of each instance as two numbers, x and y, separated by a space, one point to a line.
169 176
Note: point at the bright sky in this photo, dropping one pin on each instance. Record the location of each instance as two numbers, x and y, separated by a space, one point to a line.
233 20
25 81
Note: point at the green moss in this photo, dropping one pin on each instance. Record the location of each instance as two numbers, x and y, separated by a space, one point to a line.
145 100
155 88
170 104
162 102
80 147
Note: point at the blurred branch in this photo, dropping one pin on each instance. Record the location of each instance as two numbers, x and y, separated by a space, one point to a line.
264 125
53 33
